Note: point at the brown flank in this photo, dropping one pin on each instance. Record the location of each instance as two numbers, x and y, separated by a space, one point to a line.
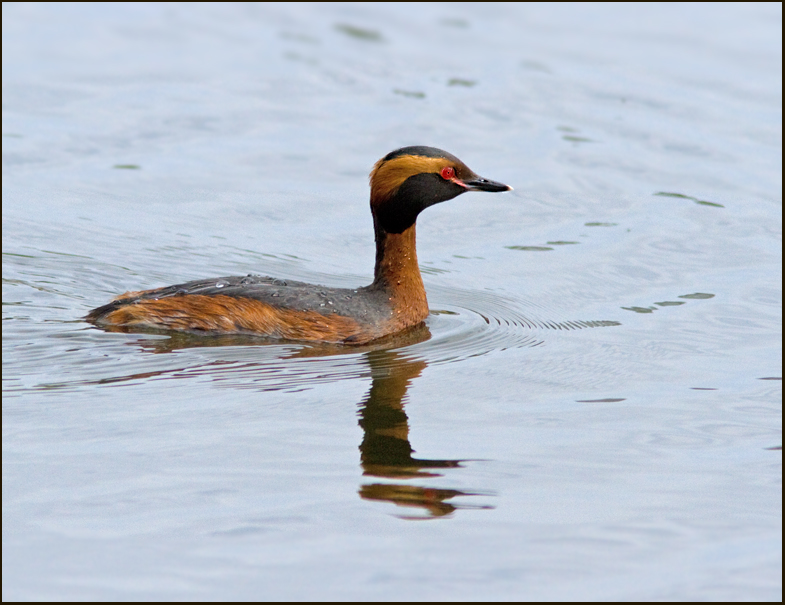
239 315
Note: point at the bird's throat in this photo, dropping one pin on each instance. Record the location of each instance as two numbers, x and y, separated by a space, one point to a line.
398 273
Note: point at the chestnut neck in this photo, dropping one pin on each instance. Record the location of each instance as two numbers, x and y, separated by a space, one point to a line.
397 270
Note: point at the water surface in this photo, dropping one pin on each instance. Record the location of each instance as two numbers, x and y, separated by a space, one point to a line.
593 410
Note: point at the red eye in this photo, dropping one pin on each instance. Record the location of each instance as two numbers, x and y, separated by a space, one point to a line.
448 172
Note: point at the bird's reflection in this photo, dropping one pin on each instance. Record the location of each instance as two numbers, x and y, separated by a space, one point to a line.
385 451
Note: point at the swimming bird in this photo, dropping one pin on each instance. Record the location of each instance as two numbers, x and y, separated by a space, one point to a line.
403 183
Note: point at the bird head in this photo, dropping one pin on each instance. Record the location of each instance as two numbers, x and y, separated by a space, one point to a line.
408 180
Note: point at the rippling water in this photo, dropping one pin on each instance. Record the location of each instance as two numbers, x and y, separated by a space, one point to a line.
593 410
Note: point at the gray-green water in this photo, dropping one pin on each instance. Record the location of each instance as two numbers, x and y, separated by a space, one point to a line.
596 404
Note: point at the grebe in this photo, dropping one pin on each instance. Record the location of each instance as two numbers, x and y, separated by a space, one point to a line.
403 184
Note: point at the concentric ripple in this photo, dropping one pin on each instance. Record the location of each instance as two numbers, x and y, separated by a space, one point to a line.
471 323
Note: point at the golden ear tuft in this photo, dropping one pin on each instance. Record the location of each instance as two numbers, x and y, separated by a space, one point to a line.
387 177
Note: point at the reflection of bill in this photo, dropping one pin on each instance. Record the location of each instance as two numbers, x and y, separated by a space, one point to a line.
433 500
385 450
